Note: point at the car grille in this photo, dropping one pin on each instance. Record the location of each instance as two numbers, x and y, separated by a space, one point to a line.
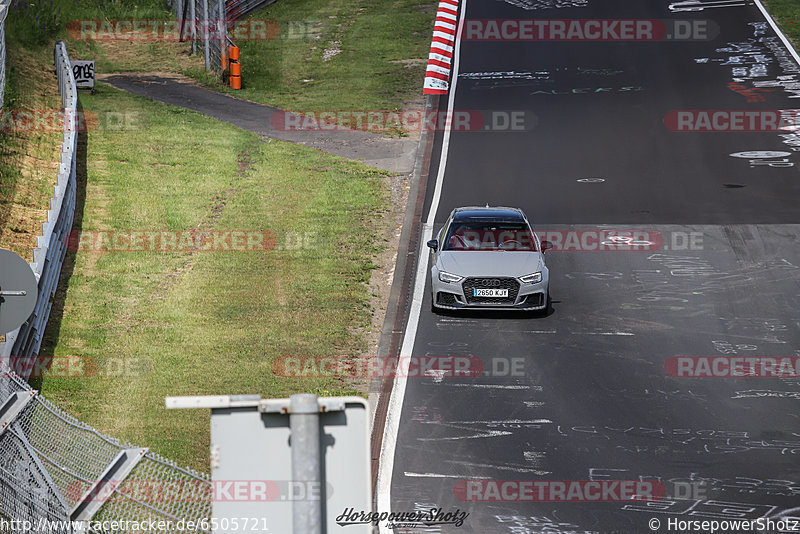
493 283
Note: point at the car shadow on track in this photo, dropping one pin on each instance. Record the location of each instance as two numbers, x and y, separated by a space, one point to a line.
499 315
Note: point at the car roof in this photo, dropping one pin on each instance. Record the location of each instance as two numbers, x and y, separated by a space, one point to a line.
488 213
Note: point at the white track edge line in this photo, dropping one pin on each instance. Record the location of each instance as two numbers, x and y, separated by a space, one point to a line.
388 446
777 30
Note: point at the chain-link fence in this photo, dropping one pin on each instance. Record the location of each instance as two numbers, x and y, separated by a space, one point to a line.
206 24
237 9
4 5
52 466
55 468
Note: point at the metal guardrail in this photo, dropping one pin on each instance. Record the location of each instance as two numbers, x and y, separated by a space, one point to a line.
4 5
51 246
52 466
48 256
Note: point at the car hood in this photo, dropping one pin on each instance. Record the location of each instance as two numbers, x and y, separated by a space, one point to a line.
490 263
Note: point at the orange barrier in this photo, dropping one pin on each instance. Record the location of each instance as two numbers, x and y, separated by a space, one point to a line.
236 68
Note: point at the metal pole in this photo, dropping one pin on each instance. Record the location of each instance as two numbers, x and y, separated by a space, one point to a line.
183 7
206 38
304 426
223 32
181 22
194 26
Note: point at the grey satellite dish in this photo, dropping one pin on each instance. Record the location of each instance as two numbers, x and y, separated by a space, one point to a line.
18 291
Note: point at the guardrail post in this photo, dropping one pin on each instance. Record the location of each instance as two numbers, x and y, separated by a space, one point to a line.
13 405
101 489
5 5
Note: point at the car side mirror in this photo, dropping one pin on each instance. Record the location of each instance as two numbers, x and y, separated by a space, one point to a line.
546 245
433 245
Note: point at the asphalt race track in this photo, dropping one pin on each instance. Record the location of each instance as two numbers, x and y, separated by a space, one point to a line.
719 276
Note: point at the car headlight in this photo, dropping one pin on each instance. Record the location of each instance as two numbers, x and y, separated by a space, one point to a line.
534 278
449 278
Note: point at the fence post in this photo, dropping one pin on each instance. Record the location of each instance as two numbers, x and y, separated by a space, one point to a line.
304 426
179 17
194 25
5 5
223 33
206 40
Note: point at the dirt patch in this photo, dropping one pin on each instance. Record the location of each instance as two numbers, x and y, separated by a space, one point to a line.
244 162
334 49
411 62
397 186
380 283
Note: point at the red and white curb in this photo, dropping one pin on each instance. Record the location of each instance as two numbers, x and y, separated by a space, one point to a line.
437 77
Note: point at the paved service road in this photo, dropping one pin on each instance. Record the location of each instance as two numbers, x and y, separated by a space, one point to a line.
720 276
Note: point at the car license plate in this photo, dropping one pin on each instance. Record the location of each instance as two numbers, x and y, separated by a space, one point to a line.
482 292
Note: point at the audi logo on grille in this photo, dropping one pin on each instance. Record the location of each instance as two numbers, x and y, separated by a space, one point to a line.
488 282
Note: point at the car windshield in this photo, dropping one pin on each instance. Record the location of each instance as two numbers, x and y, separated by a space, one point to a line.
489 236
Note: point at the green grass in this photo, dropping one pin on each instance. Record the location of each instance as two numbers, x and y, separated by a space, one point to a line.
39 22
375 35
787 14
28 156
373 72
384 46
209 322
10 145
205 323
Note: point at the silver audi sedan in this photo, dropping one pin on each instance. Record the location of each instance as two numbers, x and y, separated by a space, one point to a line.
488 258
